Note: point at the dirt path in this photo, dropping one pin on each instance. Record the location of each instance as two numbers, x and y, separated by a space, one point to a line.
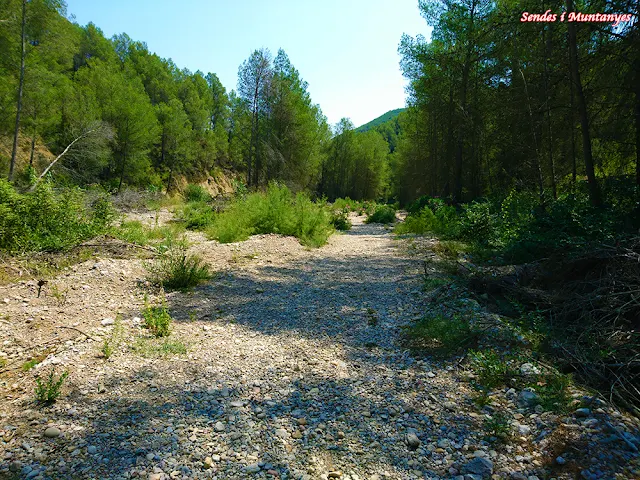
292 370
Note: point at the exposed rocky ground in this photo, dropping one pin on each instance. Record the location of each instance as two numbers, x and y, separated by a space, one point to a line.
293 369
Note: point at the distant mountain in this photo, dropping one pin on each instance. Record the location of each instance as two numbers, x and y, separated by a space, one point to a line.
391 114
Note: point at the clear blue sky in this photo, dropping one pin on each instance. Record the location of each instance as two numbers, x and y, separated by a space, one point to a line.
345 49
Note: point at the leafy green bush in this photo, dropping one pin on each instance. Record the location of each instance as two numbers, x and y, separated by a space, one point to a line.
176 269
340 221
196 215
134 231
382 214
157 319
47 221
49 389
196 193
477 223
439 219
492 370
155 347
276 211
440 334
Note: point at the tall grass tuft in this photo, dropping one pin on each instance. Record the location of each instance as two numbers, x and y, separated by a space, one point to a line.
176 269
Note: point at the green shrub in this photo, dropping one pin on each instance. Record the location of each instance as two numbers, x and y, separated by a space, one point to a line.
134 231
553 390
498 425
477 223
196 215
340 221
276 211
491 369
382 214
49 389
196 193
152 347
47 221
157 319
176 269
440 334
112 341
442 220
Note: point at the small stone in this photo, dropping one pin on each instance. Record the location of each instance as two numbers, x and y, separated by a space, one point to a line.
282 433
219 427
107 322
431 375
450 406
253 468
479 466
560 460
412 441
528 369
92 449
52 432
582 412
524 429
336 474
527 397
208 462
236 404
297 434
15 467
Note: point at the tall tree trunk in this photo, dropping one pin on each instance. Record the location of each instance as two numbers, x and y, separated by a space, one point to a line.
636 75
457 190
124 162
594 190
547 100
23 55
535 143
572 129
33 147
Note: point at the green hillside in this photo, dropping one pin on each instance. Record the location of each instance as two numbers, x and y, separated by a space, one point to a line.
380 120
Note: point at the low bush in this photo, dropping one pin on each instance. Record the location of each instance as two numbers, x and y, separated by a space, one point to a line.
155 347
382 214
134 231
492 370
43 220
196 193
196 215
440 334
275 211
340 221
49 389
176 269
157 319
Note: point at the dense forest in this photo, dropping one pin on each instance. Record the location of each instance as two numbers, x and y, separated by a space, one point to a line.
125 116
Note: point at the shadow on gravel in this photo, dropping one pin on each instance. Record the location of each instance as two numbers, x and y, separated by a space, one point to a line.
354 301
148 426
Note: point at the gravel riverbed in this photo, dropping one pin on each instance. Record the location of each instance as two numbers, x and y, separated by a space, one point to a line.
293 370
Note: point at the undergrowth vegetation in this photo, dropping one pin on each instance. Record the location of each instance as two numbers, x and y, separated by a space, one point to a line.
562 276
177 269
275 211
382 214
46 220
157 319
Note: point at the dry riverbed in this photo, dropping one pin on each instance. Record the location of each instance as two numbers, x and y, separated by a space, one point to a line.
292 369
